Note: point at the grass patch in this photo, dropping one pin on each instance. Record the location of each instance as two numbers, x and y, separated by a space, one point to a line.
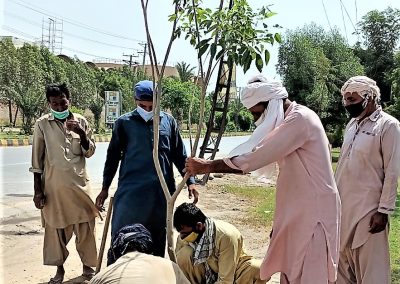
13 135
263 200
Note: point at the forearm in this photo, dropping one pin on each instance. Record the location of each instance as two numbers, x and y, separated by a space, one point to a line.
85 143
37 183
219 166
110 167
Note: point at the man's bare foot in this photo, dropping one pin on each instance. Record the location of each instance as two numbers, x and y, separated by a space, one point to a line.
59 277
88 272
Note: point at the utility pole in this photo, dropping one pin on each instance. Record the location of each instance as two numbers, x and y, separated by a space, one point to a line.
144 44
130 61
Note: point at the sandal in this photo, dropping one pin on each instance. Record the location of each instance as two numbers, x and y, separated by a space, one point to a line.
55 281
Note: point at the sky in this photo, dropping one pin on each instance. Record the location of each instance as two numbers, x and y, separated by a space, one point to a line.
98 29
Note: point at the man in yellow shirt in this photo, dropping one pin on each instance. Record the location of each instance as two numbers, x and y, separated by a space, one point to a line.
212 251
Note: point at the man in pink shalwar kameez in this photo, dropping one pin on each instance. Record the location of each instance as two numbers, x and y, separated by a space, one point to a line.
366 176
305 239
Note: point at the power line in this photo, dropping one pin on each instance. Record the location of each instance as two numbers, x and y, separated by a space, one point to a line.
88 54
344 24
326 15
20 33
36 39
96 41
71 21
22 19
347 13
66 33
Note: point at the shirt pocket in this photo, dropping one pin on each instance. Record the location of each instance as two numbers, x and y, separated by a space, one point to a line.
76 147
366 142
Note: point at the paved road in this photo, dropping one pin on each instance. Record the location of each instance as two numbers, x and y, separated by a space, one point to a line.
15 162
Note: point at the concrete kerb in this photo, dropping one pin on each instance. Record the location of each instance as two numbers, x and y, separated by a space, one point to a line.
28 141
98 138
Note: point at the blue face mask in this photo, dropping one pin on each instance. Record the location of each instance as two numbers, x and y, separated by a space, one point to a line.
146 115
60 114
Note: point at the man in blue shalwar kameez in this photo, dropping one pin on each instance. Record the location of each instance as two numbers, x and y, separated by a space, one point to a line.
139 197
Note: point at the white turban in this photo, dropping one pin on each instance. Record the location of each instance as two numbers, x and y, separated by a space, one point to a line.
363 86
261 89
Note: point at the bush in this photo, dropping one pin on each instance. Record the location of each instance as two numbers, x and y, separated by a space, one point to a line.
230 127
245 120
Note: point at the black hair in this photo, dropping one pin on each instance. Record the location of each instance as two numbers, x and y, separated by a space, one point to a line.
130 238
55 90
188 214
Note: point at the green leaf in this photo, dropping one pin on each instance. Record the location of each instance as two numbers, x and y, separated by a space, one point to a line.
266 57
270 14
172 17
259 62
247 64
245 57
203 42
278 38
219 54
193 40
203 49
213 50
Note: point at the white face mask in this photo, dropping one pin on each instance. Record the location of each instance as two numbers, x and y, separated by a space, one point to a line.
146 115
260 119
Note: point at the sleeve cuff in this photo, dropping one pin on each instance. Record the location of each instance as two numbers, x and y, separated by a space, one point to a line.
384 210
34 170
229 163
89 152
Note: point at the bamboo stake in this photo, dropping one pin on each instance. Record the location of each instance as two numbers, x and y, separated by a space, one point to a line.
105 233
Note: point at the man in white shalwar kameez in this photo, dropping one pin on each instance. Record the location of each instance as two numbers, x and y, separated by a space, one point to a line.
305 237
366 176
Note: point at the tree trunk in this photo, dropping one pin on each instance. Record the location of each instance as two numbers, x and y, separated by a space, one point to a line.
15 116
10 112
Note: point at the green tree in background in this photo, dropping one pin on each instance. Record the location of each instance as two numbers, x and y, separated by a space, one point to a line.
81 82
177 97
9 72
240 118
380 31
122 80
314 64
394 78
54 67
29 90
96 104
185 71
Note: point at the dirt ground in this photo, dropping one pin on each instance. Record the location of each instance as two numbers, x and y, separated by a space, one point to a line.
21 234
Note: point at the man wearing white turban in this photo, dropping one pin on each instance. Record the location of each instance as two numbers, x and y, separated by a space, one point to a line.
304 244
366 176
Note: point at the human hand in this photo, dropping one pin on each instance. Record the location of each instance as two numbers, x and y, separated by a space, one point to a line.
39 199
193 193
75 126
100 199
378 222
195 166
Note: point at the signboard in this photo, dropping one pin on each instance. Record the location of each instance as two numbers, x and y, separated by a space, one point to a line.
113 106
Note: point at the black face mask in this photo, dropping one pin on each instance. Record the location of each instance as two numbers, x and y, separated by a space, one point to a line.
355 109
